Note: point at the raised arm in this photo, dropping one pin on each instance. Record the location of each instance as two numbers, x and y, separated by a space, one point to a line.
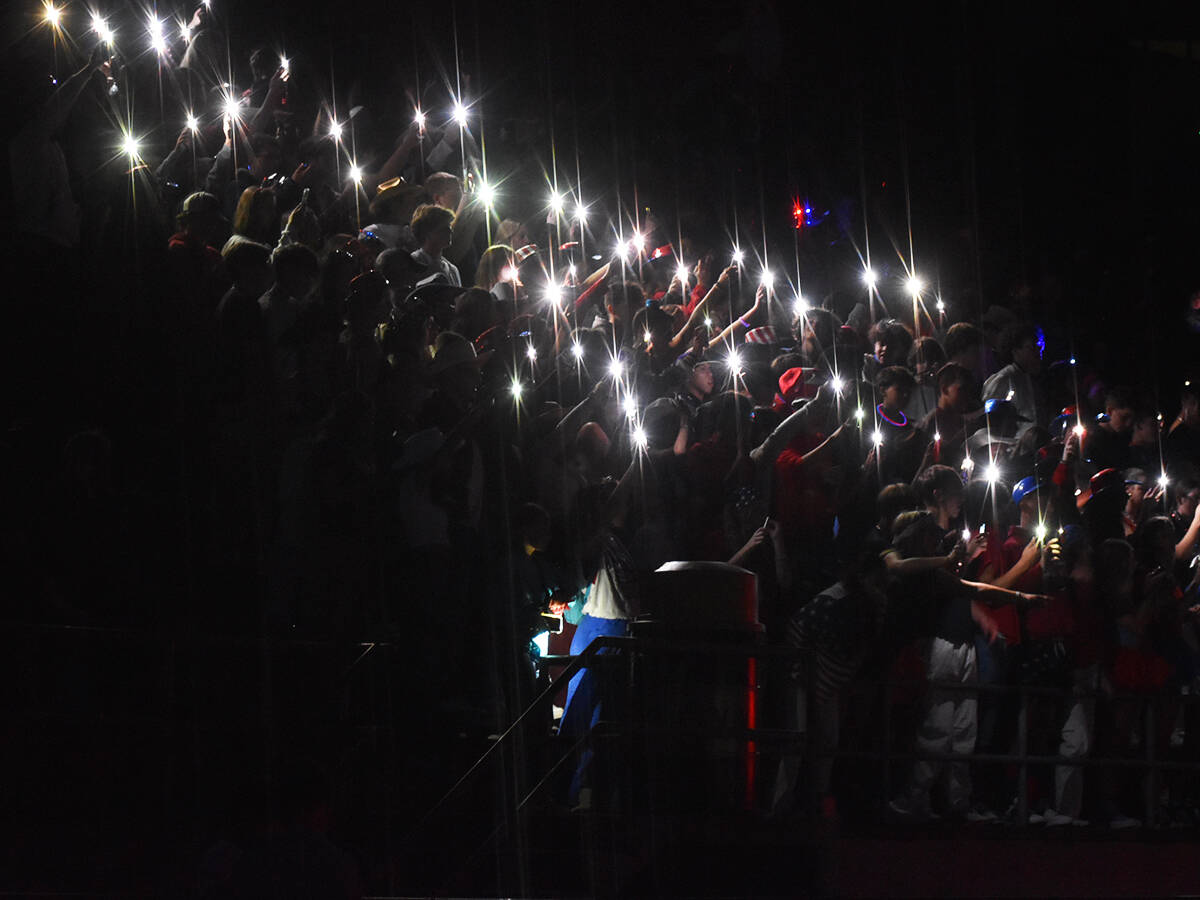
1029 558
745 323
1188 542
53 115
263 119
394 163
914 565
570 424
797 423
698 313
990 595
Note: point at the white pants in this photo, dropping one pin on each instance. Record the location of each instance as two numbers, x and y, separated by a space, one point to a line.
1076 741
950 726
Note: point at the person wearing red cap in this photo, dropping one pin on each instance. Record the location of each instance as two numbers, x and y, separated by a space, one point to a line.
793 385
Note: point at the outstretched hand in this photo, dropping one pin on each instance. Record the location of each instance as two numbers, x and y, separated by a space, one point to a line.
302 174
986 621
976 545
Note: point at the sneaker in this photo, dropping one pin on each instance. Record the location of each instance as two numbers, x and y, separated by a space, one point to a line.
1009 816
980 813
1120 822
584 801
1058 820
1037 819
902 812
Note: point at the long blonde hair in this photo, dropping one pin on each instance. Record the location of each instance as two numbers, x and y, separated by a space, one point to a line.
492 264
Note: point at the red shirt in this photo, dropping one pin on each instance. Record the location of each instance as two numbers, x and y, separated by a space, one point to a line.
803 505
695 297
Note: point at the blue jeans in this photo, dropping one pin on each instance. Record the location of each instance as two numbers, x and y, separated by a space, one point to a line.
584 693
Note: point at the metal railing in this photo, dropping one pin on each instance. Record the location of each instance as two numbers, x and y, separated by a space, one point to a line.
782 740
769 741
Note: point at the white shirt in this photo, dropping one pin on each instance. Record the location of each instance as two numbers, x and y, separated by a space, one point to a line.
604 602
448 269
1014 383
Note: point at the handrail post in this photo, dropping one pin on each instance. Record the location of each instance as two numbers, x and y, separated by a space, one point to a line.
1151 780
1023 767
887 743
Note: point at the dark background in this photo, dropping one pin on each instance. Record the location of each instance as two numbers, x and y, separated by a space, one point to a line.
1046 156
1048 163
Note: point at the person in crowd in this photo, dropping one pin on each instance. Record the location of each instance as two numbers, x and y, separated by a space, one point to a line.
391 211
925 359
1182 442
444 190
256 217
952 610
891 342
296 274
816 332
946 426
1145 440
192 250
1017 381
898 445
835 631
964 345
240 331
433 229
496 272
389 455
1106 445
